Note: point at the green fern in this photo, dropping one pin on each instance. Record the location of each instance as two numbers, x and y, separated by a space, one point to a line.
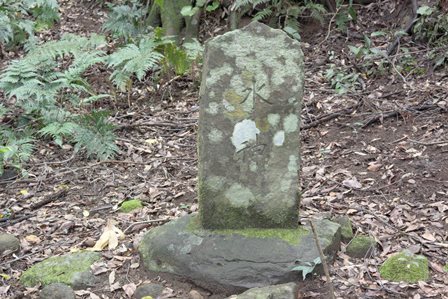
96 135
127 21
134 60
15 148
49 90
20 18
36 81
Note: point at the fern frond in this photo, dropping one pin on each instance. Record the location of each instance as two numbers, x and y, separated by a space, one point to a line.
57 131
263 14
96 135
133 59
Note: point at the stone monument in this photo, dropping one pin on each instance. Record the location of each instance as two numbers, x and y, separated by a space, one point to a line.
247 233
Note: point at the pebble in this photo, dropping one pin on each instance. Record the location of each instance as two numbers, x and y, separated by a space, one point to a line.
148 289
8 243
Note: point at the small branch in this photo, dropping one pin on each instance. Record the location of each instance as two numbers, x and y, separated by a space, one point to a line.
429 143
156 124
50 198
395 113
324 262
146 222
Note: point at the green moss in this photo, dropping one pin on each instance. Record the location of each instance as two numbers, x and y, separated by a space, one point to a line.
405 266
346 227
446 268
361 246
130 205
292 236
61 269
214 204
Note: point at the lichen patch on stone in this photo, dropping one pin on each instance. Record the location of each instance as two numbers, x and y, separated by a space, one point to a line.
244 133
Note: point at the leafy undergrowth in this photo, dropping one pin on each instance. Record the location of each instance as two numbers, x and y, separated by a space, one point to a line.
383 164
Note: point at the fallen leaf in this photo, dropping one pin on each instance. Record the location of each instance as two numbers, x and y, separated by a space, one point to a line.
33 239
428 236
109 237
374 167
129 289
352 183
112 277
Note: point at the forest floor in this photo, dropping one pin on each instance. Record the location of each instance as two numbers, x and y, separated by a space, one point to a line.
378 153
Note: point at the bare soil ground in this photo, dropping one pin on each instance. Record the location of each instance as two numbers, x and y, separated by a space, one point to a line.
378 155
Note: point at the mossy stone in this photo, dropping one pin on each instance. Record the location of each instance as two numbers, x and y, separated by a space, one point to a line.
446 268
130 205
64 269
405 266
8 243
292 236
361 246
346 228
57 291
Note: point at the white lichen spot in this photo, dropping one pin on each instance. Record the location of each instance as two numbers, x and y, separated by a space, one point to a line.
215 183
279 138
215 136
189 240
213 108
273 119
239 196
292 165
285 184
215 74
253 166
244 132
229 107
211 94
292 100
291 123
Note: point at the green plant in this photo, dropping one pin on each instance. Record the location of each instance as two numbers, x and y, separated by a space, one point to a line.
368 58
19 19
191 10
284 14
307 267
127 21
432 28
136 59
52 94
345 13
15 145
341 80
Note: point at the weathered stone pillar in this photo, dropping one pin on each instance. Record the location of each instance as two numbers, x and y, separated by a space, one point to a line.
251 94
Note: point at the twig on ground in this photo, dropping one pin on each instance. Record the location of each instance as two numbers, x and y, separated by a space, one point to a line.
52 197
429 143
163 220
395 113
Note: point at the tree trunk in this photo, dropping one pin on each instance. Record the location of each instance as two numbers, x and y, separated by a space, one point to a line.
172 21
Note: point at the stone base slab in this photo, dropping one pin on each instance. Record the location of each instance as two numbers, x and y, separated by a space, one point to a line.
229 260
